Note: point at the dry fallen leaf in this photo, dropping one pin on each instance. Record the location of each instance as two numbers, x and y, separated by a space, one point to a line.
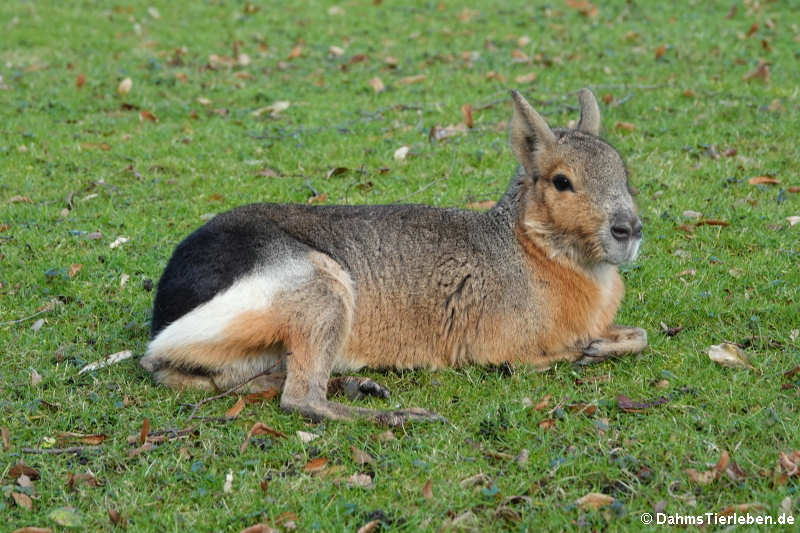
87 479
704 478
584 7
145 431
792 220
227 487
6 435
526 78
147 115
36 378
630 406
361 457
118 242
369 527
427 490
80 81
31 529
74 269
22 500
236 408
296 51
376 84
401 153
360 480
761 72
124 86
20 200
408 80
336 51
486 204
625 126
21 468
475 481
260 528
316 465
660 51
306 437
466 112
730 355
594 500
763 180
260 429
547 423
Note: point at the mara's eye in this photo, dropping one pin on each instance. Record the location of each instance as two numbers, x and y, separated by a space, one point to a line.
562 183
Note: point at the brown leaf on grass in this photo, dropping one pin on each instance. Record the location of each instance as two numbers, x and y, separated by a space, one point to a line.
316 465
96 146
32 529
361 457
518 56
712 222
74 269
742 508
584 408
753 29
547 423
4 227
20 200
761 72
124 87
376 84
237 407
625 126
363 481
262 396
427 490
543 403
789 463
296 52
36 378
22 500
408 80
92 439
369 527
6 436
735 472
260 428
116 518
336 171
594 500
787 375
486 204
144 432
146 447
670 331
794 190
704 478
630 406
584 7
87 479
80 81
21 468
526 78
147 115
660 51
260 528
466 112
478 480
729 355
318 199
763 180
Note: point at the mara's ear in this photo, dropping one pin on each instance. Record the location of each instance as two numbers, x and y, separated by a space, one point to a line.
590 112
528 132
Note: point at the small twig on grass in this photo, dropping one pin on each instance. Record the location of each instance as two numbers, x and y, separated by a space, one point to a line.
204 401
20 320
54 451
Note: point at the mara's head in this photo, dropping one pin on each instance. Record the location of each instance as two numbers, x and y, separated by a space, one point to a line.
577 199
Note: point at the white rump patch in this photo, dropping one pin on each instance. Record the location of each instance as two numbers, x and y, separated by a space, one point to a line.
253 292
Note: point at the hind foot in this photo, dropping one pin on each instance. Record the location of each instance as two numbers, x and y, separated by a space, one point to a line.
355 387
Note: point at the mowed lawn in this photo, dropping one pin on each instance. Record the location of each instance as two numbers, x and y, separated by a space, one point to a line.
125 125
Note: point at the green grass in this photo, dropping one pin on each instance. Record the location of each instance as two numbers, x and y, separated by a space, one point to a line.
155 182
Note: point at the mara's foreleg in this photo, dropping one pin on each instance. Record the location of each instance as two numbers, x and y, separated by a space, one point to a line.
615 341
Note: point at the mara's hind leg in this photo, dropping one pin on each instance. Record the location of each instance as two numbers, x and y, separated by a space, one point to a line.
318 318
617 340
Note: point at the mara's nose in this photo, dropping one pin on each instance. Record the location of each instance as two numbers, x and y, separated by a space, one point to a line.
626 226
